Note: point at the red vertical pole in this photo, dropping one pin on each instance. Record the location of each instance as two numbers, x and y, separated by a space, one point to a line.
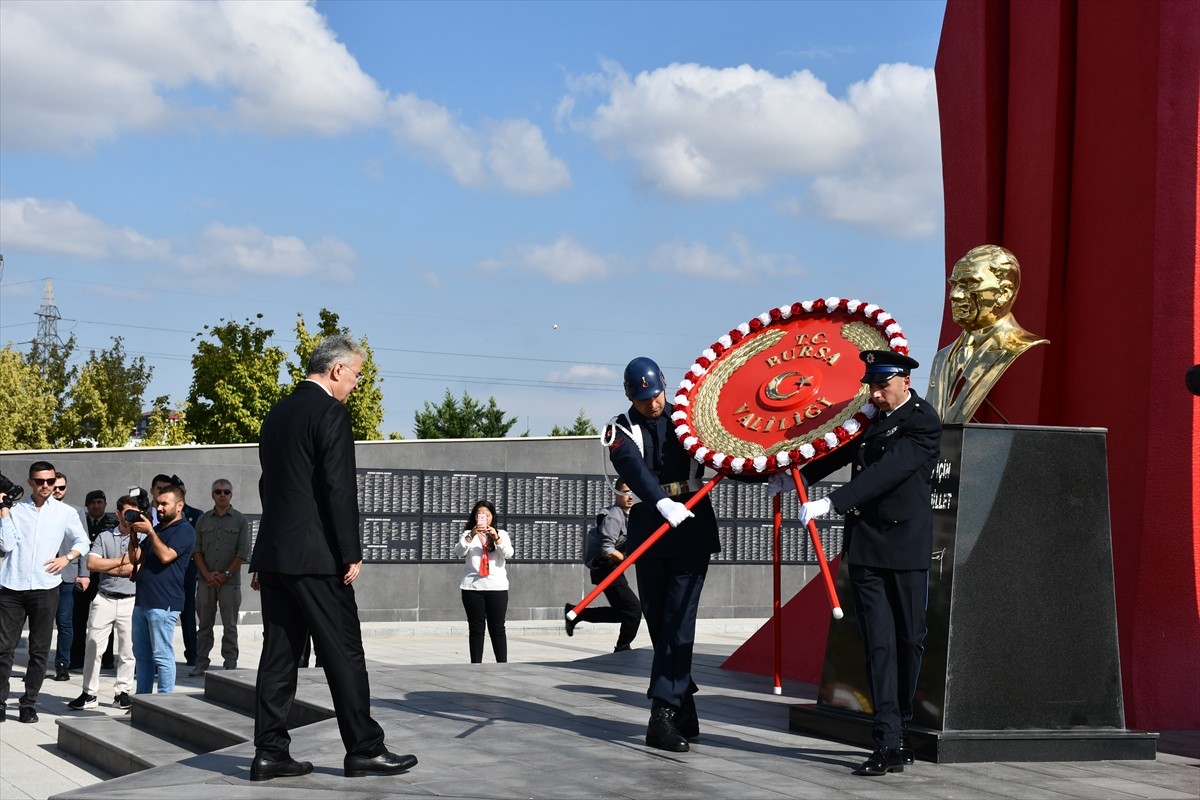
777 609
816 540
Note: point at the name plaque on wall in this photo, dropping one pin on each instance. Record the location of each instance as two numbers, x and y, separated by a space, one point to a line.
410 516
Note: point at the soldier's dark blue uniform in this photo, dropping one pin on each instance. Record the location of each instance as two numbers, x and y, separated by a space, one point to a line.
670 575
888 544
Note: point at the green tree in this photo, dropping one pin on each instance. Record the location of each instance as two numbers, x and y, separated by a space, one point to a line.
235 381
27 403
167 427
582 427
469 419
106 399
366 401
53 363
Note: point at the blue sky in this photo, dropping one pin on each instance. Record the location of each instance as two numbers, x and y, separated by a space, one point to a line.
511 199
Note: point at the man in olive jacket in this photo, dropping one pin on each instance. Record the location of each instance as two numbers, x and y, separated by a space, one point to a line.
888 543
307 556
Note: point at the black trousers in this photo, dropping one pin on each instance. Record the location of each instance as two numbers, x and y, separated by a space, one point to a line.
623 606
292 606
39 607
669 589
83 608
486 609
187 616
890 606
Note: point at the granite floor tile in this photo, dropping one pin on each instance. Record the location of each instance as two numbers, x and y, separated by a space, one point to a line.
567 718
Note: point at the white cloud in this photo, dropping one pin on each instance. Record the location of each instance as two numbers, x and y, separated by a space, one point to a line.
511 154
695 131
430 132
895 184
72 73
584 373
76 73
738 261
519 159
62 228
248 250
695 259
698 132
567 261
563 261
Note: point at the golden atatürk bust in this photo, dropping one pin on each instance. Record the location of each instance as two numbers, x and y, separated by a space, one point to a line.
983 287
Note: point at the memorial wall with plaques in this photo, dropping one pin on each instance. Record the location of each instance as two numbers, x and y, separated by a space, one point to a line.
412 516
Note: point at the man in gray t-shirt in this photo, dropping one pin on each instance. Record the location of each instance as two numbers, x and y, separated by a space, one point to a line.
112 611
604 549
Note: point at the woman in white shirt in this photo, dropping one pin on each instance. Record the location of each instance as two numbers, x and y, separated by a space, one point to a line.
484 585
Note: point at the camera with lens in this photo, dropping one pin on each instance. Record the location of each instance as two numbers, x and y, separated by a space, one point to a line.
12 493
142 498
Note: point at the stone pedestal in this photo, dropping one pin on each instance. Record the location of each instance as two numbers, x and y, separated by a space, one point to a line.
1021 659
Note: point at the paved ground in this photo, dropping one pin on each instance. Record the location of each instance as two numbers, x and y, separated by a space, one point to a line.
566 719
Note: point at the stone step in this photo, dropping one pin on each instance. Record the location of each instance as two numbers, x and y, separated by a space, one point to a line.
235 689
192 720
113 745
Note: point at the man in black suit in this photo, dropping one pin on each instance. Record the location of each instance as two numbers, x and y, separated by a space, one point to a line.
307 556
888 543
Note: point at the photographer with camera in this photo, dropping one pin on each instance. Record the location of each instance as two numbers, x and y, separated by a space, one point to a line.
484 549
187 614
32 532
112 610
160 559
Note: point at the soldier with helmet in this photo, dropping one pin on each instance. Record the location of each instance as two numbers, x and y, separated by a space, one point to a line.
670 574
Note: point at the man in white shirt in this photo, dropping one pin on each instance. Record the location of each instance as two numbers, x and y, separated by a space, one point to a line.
32 532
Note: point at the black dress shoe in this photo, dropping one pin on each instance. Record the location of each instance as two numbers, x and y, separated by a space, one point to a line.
661 733
567 621
263 769
27 714
61 673
881 762
621 648
386 763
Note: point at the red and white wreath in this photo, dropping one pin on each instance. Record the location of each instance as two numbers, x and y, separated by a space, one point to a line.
808 450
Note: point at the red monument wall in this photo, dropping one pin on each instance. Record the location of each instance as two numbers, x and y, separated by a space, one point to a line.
1069 136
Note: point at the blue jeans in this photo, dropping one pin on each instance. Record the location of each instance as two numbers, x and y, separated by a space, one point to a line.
65 622
154 648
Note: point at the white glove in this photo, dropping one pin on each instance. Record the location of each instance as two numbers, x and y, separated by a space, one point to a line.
674 513
780 483
813 509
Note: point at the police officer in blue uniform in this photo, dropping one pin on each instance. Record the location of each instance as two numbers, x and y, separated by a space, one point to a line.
888 543
670 574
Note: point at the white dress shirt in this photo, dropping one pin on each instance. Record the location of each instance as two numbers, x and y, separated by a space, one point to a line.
30 537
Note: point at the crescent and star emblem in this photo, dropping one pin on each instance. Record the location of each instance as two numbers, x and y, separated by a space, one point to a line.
772 390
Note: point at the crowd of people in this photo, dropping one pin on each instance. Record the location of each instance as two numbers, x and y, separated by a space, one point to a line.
122 582
112 586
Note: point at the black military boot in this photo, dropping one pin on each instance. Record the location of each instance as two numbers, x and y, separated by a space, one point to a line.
661 732
687 722
905 749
